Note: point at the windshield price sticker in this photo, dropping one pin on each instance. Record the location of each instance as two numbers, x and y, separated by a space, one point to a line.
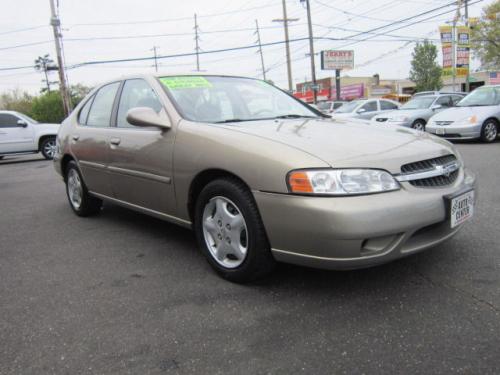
185 82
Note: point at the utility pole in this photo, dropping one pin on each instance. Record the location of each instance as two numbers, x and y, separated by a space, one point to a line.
467 78
56 26
285 21
155 56
196 39
311 52
260 50
454 43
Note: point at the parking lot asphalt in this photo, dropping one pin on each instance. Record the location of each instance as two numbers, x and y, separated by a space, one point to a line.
123 293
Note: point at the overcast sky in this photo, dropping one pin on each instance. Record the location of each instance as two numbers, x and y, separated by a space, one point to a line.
134 27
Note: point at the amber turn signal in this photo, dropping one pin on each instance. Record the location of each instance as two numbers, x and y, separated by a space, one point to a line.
299 182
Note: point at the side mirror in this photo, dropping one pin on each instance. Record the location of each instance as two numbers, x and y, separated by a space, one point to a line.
436 106
146 116
361 110
22 123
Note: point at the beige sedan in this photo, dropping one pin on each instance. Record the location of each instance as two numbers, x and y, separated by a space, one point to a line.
260 176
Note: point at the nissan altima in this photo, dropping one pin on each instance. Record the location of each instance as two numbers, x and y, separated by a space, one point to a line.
259 176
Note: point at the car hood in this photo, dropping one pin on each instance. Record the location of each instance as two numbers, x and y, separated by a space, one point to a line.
461 113
347 144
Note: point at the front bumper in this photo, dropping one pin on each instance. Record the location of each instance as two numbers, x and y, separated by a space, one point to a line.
360 231
455 131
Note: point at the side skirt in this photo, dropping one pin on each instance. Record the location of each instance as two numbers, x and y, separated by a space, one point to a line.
147 211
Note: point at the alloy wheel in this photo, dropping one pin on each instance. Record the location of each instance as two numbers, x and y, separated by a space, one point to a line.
225 232
75 189
49 148
490 131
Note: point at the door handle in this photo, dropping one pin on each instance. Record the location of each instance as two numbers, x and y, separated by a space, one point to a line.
76 137
115 141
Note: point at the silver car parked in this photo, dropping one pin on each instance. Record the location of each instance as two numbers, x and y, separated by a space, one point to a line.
259 176
415 113
477 116
364 108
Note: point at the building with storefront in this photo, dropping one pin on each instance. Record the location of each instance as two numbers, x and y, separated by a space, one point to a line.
354 88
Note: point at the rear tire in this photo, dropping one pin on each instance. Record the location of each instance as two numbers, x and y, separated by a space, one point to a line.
489 131
230 232
418 125
81 202
48 148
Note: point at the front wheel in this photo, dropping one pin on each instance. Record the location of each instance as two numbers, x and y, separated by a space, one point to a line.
48 148
82 203
489 131
419 125
230 232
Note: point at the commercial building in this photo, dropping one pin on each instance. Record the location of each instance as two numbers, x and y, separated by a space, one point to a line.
354 88
476 79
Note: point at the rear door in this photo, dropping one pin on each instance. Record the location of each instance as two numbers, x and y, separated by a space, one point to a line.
15 137
89 141
140 159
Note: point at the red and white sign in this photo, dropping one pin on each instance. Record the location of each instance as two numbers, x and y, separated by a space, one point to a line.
333 60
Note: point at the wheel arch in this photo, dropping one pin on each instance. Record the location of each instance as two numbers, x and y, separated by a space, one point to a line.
64 164
419 119
494 119
43 138
201 180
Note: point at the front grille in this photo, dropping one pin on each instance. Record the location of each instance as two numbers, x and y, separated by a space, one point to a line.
443 123
429 165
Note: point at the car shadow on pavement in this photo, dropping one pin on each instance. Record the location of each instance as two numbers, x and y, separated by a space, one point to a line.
182 246
18 159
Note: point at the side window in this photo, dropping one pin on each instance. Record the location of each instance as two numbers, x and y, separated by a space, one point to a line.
370 106
444 101
455 99
102 106
385 105
136 93
84 113
8 121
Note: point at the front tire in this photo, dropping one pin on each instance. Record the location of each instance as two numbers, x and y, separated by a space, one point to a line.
489 131
419 125
230 232
81 202
48 148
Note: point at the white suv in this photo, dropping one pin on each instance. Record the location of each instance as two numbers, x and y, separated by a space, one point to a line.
20 134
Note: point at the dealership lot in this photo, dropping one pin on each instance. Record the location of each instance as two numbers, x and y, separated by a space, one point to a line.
125 293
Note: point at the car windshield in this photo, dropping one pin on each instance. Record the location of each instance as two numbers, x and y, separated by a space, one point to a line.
420 102
349 107
219 99
482 96
324 105
27 118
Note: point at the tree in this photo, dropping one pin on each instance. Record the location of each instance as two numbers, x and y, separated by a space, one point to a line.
16 100
77 93
485 37
48 107
425 71
42 64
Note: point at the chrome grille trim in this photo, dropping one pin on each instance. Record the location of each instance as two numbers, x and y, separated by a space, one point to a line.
435 172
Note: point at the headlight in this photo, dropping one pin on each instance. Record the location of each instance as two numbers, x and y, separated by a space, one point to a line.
398 119
341 181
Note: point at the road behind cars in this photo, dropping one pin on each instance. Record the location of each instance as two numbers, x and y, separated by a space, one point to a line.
126 293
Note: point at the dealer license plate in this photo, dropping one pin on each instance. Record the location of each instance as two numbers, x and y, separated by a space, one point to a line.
461 208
